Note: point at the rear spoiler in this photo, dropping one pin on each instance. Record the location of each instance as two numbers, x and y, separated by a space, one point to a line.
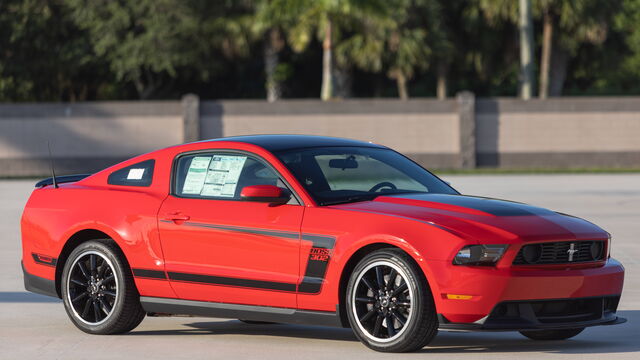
62 179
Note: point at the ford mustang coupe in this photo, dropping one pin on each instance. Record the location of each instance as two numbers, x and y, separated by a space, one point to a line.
311 230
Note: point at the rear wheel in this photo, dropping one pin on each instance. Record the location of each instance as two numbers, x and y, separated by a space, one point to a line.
389 303
551 334
98 291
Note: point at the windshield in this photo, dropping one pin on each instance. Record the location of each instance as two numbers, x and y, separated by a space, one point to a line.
335 175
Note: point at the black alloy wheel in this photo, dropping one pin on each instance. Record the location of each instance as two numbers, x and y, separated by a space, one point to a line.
98 289
92 287
389 303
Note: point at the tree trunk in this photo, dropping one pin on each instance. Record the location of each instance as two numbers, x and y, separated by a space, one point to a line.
441 89
545 60
558 72
272 46
327 84
378 86
84 93
140 88
401 82
343 81
144 84
526 50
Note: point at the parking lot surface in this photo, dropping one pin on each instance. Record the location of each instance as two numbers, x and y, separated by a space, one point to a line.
36 327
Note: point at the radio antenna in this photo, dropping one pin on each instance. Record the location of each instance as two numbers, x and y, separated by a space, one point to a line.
53 172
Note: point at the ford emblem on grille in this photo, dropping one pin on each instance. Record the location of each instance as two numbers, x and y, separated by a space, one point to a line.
572 250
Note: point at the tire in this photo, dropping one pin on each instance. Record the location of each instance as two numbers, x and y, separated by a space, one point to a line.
410 309
551 334
98 290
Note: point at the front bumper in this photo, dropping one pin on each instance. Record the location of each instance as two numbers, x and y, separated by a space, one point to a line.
543 315
488 287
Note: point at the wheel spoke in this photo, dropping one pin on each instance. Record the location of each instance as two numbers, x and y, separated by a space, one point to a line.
96 310
105 307
380 277
79 297
399 317
106 280
391 331
83 270
392 279
368 300
87 306
377 326
368 315
404 303
92 264
78 282
400 289
109 292
102 268
369 284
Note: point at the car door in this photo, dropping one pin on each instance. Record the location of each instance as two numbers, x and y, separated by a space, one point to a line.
220 248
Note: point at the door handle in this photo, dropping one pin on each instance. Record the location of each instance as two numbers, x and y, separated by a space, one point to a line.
176 217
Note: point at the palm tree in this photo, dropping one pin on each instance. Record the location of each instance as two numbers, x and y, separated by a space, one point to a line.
412 42
270 20
328 20
402 42
566 25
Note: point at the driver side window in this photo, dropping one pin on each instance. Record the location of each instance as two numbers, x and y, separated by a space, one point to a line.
220 176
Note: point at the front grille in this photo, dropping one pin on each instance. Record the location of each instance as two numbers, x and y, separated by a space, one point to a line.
564 252
555 311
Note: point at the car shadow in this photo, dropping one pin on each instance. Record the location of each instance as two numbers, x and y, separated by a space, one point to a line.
25 297
602 339
237 327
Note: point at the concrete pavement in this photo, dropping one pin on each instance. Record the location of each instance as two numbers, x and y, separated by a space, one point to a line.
36 327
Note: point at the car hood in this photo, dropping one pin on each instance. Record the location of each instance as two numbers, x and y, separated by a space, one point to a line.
483 219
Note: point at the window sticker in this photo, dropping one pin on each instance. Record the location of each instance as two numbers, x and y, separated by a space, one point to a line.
222 176
135 174
196 175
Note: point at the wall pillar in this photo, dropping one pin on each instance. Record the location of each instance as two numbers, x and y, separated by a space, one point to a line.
191 117
466 107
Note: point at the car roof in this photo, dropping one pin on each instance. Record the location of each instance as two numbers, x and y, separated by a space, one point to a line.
288 142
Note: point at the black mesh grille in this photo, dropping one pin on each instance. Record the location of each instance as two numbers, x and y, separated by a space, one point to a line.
564 252
555 311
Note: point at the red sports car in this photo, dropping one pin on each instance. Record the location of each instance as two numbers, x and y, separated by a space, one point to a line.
312 230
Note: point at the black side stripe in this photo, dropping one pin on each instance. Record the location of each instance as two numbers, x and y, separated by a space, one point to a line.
319 257
281 234
149 274
44 260
228 281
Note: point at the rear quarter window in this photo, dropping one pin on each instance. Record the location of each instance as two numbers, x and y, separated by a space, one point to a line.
140 174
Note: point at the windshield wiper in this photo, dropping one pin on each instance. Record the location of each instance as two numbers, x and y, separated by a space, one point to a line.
350 199
367 197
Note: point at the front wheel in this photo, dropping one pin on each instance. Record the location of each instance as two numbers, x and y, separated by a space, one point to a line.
98 291
551 334
389 303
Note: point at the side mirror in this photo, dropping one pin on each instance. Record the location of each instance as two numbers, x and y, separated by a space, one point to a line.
265 193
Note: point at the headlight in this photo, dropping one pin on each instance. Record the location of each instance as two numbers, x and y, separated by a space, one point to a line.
483 255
